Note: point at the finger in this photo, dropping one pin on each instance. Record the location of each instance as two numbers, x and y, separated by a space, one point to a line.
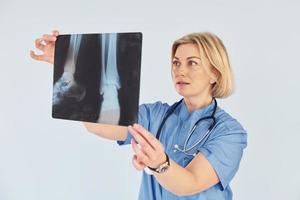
152 140
35 56
152 156
49 38
141 156
138 137
137 165
39 45
147 150
55 33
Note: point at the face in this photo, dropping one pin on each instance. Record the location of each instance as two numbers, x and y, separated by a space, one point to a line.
191 75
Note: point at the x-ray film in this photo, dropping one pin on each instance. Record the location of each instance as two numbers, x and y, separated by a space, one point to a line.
97 77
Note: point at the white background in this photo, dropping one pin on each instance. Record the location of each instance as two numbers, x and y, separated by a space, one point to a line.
45 158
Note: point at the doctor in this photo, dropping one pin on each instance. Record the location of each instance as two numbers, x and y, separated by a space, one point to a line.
192 148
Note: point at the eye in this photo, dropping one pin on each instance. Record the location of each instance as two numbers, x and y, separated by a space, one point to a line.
192 63
176 63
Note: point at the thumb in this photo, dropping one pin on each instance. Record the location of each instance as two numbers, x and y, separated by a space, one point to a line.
137 165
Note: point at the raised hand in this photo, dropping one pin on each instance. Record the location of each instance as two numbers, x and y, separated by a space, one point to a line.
150 151
47 45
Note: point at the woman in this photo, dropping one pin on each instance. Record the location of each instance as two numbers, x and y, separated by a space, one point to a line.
193 148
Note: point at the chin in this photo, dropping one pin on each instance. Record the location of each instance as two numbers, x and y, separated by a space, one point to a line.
183 93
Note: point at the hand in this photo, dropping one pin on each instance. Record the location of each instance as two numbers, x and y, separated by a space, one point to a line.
150 153
47 45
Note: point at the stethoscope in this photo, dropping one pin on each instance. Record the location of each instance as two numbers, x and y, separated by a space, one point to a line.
186 149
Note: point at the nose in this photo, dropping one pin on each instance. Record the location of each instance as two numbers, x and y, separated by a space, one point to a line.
180 70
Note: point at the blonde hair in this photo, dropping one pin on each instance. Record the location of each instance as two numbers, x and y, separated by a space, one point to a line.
214 50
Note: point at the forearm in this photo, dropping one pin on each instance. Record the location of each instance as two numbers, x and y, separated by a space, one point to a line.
178 180
112 132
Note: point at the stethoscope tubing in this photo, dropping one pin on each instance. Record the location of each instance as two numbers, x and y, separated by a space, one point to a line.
185 150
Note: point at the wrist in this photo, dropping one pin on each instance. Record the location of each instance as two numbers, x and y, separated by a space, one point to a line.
162 160
163 166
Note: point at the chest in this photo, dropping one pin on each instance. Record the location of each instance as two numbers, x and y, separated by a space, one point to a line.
183 138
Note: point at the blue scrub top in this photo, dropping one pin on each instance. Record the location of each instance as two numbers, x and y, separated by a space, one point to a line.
223 149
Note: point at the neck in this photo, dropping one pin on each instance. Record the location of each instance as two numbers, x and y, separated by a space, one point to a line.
193 103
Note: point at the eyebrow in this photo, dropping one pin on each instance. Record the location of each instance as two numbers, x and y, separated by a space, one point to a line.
187 57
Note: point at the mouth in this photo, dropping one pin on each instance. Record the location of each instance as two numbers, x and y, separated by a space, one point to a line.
182 83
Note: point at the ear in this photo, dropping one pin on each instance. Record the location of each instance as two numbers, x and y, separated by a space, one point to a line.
213 76
212 81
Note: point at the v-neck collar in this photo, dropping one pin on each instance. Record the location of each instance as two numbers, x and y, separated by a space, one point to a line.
184 114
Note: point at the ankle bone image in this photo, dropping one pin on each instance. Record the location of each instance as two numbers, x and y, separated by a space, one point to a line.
96 77
66 87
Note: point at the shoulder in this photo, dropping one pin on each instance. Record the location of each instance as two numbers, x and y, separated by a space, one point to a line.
154 108
150 113
228 134
226 124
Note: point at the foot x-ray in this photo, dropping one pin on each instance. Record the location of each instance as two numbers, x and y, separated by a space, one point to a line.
97 77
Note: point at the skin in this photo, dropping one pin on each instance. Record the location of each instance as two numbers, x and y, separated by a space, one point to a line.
193 80
46 44
188 67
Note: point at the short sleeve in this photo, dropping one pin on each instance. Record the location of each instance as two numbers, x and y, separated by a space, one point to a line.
224 150
147 112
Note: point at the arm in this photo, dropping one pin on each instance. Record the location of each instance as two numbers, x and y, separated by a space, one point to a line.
47 45
112 132
198 176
